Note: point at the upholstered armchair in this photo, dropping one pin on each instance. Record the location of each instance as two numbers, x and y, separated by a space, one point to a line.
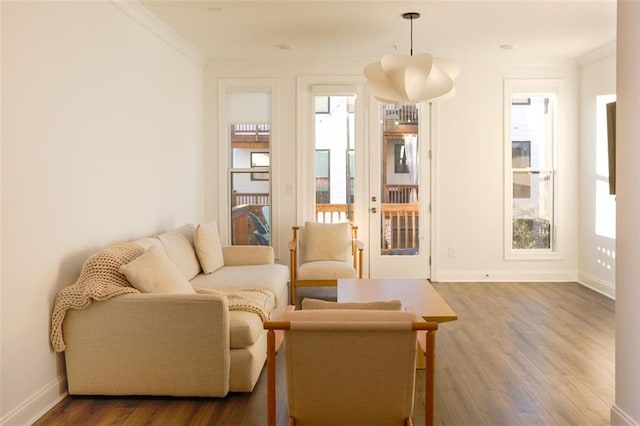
321 253
350 367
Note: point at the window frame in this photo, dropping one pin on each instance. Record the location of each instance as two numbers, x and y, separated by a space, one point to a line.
224 166
520 89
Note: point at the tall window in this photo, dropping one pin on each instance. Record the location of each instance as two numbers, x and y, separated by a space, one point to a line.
249 127
335 164
531 147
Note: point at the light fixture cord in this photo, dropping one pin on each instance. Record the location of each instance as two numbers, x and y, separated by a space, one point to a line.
411 36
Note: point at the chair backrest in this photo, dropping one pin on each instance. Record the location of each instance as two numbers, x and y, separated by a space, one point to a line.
337 240
350 366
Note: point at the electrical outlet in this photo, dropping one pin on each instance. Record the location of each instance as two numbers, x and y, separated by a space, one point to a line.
452 252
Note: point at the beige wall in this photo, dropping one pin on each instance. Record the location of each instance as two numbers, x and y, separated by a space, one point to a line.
597 78
101 142
470 190
626 410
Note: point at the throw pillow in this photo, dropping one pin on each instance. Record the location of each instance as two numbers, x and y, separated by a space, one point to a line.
390 305
153 272
327 241
178 246
208 247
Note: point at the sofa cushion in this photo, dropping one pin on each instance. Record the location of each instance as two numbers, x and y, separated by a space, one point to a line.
178 244
327 241
148 242
271 277
208 247
153 272
387 305
247 255
244 329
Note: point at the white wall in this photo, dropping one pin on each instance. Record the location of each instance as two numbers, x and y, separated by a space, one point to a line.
626 410
101 142
470 156
597 263
469 202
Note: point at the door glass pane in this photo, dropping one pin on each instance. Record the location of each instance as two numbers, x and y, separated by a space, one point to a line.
250 184
323 177
334 148
532 163
400 210
250 218
532 210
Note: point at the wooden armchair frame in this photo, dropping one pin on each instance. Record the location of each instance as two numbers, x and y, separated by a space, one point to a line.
357 251
426 342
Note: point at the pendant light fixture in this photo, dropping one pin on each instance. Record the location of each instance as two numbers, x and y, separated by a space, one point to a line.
401 78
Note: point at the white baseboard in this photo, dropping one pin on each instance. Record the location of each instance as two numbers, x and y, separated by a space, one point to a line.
620 418
521 275
36 406
596 284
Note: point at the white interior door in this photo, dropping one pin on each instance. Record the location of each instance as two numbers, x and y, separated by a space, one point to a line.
399 199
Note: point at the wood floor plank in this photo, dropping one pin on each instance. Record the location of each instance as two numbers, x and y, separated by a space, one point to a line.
519 354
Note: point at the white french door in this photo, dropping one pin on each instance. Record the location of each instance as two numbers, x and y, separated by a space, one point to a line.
399 195
352 168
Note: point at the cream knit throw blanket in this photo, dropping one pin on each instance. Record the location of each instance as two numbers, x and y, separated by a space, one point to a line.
101 280
257 300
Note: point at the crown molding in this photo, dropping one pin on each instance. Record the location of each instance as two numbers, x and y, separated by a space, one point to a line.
154 25
597 54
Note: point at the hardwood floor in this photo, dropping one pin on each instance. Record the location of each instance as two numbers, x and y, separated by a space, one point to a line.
519 354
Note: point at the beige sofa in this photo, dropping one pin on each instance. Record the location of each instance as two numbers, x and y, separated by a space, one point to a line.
152 343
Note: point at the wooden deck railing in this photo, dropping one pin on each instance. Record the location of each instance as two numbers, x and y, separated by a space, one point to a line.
238 199
400 226
334 213
250 132
397 194
399 222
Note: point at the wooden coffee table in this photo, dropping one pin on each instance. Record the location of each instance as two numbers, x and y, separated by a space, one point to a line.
416 295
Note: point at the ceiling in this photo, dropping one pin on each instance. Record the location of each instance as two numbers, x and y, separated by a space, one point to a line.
545 30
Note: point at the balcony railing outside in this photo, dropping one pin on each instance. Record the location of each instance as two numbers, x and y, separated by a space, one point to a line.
334 213
401 194
399 222
238 199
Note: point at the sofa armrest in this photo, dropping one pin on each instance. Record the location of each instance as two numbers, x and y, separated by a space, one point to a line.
149 344
247 255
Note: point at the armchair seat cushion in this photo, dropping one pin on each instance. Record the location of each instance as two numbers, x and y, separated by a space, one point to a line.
326 270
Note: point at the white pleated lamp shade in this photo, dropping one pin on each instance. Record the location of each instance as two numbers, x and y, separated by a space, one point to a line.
402 78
